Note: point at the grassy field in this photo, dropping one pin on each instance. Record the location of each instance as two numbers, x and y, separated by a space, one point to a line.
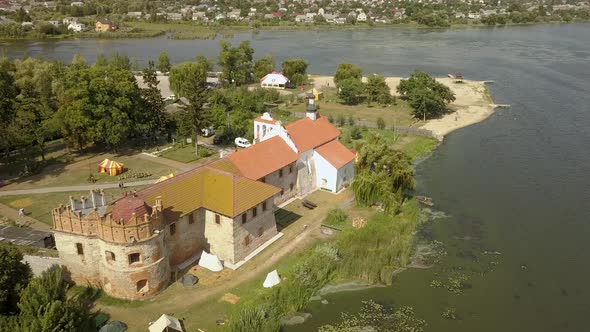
39 206
185 153
62 172
398 114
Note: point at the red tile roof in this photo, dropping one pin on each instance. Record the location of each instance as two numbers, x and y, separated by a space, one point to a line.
263 158
260 119
336 154
308 134
124 208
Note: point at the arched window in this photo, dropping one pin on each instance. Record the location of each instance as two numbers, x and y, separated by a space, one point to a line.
110 256
142 286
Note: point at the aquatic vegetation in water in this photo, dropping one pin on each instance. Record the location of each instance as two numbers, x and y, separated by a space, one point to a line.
379 318
450 313
436 284
457 283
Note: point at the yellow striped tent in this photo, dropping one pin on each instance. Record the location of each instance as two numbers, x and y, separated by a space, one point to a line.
110 167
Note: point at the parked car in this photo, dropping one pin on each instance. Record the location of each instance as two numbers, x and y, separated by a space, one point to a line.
208 132
242 142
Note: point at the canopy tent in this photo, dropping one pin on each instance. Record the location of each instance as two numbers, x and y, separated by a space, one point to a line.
114 326
317 94
274 80
272 279
110 167
166 324
210 262
165 177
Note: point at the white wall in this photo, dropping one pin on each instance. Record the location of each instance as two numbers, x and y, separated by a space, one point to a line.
326 174
345 175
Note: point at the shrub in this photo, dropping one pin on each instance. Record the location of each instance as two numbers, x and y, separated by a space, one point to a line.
341 120
356 132
204 153
335 217
350 120
380 123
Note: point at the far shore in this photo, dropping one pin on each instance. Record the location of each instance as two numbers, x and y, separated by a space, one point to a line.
473 103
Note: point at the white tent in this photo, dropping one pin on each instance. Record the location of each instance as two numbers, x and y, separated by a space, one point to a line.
210 262
274 80
166 324
272 279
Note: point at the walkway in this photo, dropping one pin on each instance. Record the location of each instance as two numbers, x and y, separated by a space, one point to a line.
73 188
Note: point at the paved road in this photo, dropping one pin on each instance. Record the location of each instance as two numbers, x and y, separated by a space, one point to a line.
73 188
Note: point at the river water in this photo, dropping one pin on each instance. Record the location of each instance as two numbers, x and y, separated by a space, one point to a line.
517 184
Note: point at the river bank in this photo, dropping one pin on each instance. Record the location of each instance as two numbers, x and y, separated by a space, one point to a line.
473 103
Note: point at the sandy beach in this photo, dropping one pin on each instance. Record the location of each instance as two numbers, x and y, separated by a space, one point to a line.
472 104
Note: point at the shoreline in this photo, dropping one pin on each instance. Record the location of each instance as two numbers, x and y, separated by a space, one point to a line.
473 103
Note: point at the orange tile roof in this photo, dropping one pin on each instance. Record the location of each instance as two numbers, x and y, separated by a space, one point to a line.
336 154
260 119
263 158
308 134
208 187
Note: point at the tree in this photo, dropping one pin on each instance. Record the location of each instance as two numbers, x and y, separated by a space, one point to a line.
428 97
382 175
45 307
380 123
153 119
346 71
8 93
237 63
377 90
120 61
164 62
14 276
190 80
264 66
295 70
350 90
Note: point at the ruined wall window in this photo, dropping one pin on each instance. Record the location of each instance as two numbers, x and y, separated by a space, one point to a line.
110 256
247 240
264 206
290 169
142 286
134 258
254 211
79 249
172 229
218 219
291 186
260 231
244 217
281 173
282 192
191 219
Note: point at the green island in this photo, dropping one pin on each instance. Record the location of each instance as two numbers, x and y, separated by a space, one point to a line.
207 20
63 120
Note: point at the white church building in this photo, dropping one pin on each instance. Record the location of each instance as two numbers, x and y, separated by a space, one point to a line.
322 161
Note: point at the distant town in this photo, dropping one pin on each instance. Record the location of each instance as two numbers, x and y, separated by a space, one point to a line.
30 19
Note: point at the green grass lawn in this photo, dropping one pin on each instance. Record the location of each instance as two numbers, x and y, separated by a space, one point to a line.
61 173
39 206
185 153
399 114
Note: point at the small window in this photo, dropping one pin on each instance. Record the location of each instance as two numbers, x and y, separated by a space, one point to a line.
142 286
172 229
244 217
264 206
260 231
281 173
191 219
282 192
134 258
290 169
247 240
291 186
79 249
254 212
110 256
218 219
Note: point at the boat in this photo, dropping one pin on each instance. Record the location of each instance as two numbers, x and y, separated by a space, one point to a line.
424 200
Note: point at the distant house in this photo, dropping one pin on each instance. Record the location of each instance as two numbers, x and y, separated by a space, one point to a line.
174 16
361 17
234 15
77 4
340 20
27 25
55 23
68 20
49 4
300 18
219 17
199 16
136 15
104 25
274 80
77 26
